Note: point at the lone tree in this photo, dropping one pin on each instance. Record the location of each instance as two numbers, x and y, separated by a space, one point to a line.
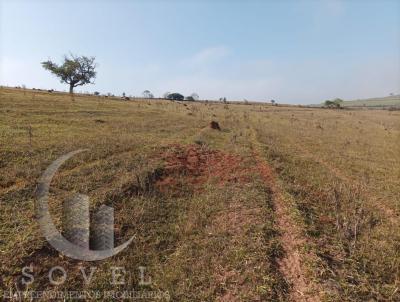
147 94
75 70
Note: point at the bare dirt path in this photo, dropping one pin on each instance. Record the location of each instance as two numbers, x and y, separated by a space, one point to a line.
291 238
237 220
292 241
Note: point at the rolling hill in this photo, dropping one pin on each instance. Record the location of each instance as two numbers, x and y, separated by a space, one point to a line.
388 101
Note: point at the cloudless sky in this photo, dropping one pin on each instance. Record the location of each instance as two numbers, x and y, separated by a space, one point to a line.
290 51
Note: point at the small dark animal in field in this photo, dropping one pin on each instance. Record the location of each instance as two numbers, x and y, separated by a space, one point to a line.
50 90
99 121
215 125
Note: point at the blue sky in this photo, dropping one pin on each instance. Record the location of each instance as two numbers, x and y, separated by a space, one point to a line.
290 51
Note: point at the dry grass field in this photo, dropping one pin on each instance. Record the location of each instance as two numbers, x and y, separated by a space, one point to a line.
283 203
388 101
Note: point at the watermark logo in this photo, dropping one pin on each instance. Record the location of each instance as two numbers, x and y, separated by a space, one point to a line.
74 242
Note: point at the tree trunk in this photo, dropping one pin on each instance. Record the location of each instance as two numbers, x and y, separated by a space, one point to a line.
71 88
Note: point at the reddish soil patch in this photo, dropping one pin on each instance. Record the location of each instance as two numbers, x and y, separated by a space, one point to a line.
193 166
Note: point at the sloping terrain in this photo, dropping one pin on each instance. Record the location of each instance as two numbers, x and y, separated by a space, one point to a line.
278 204
387 101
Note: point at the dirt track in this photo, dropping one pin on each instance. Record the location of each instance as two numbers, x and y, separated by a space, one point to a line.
292 241
198 165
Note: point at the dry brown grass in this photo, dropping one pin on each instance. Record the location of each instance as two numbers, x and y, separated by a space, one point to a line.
341 169
221 236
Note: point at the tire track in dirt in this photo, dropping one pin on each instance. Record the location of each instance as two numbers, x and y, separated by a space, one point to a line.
291 237
196 166
374 201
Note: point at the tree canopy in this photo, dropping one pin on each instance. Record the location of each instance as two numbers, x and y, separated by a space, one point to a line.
147 94
75 70
336 103
176 96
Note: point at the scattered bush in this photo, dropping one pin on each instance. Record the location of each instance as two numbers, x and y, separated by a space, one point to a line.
176 96
336 103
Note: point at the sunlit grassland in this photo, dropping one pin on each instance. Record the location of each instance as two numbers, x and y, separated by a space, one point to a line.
340 170
173 236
